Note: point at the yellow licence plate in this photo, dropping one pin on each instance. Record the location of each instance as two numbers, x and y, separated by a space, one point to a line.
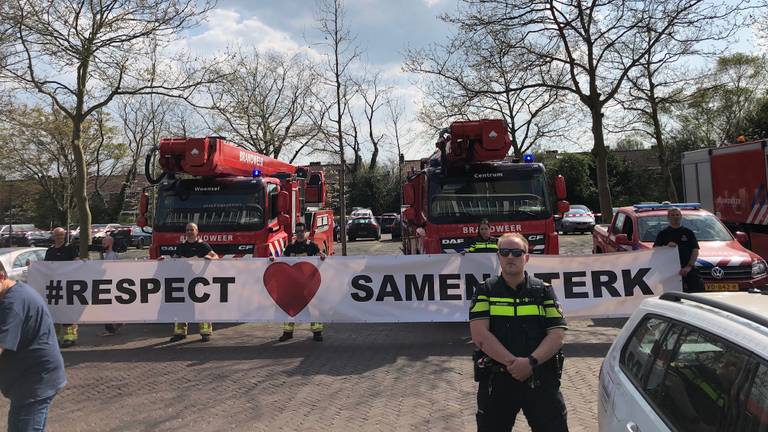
721 287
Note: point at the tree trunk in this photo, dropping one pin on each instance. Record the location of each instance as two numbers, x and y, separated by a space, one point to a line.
81 189
661 151
601 156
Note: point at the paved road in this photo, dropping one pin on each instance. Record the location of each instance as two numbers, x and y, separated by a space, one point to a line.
395 377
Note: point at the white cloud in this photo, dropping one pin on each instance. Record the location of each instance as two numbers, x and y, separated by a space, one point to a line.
226 28
431 3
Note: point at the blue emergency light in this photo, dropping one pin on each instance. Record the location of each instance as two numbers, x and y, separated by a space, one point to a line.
528 158
256 172
661 206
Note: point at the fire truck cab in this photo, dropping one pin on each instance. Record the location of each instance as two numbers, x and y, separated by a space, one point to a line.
468 179
245 204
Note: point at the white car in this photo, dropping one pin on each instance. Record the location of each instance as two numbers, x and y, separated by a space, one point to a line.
362 213
689 362
15 261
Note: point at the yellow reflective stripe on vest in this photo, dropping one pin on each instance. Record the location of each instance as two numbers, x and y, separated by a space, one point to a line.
482 298
552 312
480 306
482 245
549 302
525 310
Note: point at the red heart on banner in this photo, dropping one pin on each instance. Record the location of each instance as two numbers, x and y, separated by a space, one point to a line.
292 287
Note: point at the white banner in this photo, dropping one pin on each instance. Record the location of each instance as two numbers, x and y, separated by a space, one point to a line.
418 288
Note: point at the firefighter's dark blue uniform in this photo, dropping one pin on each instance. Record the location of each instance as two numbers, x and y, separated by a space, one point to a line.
519 318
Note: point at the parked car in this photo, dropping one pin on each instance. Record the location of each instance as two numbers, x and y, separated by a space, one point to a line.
358 213
15 261
689 362
396 228
385 222
723 263
363 227
578 219
98 231
15 234
39 238
140 238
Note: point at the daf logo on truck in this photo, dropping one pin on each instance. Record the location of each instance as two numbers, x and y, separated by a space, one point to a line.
452 241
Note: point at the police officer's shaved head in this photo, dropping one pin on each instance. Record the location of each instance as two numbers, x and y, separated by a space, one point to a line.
516 236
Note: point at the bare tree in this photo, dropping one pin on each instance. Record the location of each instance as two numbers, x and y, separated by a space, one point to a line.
42 151
341 54
487 58
82 54
595 44
267 102
374 97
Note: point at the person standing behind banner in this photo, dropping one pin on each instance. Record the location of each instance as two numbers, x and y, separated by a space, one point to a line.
62 251
193 247
518 327
483 243
676 235
108 253
301 246
31 367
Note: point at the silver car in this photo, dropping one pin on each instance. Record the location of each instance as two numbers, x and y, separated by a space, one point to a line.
578 219
15 261
689 363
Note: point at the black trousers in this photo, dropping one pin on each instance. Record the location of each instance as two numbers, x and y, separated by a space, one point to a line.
500 397
692 282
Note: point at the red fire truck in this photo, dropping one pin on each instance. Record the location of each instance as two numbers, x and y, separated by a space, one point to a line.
731 182
244 203
468 179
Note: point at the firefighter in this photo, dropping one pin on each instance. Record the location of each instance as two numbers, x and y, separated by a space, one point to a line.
302 246
483 243
518 327
193 247
63 251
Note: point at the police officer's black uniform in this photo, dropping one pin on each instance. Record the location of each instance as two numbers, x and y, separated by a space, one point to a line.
519 318
481 245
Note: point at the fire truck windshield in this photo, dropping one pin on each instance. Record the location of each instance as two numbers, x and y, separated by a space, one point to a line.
457 200
220 205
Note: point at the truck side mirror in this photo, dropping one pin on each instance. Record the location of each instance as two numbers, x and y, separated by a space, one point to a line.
408 194
563 207
742 238
410 214
560 190
141 219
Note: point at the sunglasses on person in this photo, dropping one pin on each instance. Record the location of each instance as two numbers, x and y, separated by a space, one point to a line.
517 253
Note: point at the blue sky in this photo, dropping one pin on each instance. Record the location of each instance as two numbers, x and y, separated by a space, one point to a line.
384 30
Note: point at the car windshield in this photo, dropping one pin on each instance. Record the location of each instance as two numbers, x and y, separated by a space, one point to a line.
520 197
705 227
577 211
212 205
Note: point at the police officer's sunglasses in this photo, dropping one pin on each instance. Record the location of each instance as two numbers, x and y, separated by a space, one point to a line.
517 253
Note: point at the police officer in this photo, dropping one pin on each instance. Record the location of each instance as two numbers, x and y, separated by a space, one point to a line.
63 251
517 324
193 247
483 243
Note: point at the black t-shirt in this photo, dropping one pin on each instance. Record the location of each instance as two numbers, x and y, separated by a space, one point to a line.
685 239
198 249
66 252
305 248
